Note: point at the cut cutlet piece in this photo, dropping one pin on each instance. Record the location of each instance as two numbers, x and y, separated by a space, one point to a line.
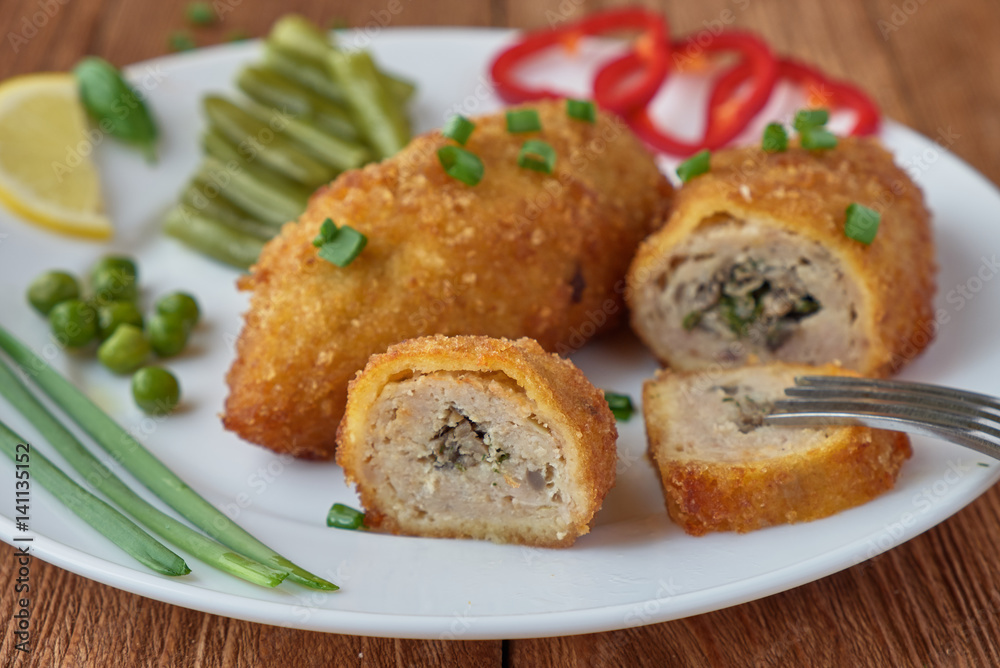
474 437
754 264
722 469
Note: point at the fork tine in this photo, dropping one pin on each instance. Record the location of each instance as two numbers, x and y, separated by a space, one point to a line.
973 409
964 417
900 410
974 439
901 385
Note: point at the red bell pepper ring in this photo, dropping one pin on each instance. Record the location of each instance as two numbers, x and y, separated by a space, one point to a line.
841 94
757 63
651 49
834 93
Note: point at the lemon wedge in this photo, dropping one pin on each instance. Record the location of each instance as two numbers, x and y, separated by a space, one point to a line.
46 174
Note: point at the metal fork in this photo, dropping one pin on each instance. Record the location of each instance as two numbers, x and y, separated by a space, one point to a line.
966 418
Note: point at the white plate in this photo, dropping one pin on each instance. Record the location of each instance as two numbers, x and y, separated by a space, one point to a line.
634 568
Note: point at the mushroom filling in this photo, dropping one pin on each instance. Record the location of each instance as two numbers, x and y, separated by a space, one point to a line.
750 411
750 298
460 444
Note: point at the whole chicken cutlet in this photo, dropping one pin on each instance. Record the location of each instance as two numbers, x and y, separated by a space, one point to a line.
521 254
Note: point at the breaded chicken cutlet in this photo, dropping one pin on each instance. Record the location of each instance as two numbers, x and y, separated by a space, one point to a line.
723 469
521 254
473 437
755 263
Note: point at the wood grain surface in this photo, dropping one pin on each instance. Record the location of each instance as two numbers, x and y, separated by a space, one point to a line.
934 601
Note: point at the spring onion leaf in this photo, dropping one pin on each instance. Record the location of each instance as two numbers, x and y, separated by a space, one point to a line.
775 138
810 118
523 120
691 320
862 223
461 165
537 155
581 110
344 517
327 232
817 138
136 459
346 246
98 514
341 245
620 405
91 468
696 165
458 128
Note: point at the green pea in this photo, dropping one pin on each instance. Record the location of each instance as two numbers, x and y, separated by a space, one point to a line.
168 334
73 323
125 350
115 262
180 305
113 284
200 13
155 390
113 314
50 289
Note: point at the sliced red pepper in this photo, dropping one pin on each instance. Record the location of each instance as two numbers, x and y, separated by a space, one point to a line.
757 63
840 93
832 92
651 49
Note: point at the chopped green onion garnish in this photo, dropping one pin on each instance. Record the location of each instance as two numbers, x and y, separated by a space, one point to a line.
523 120
775 138
339 245
691 320
811 118
537 155
620 405
694 166
327 231
581 110
461 165
237 35
345 517
817 138
458 128
345 247
181 41
200 13
862 223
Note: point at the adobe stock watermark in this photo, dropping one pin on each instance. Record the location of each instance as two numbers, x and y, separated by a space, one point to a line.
220 180
899 14
380 20
307 602
29 25
964 293
651 611
922 502
472 103
256 483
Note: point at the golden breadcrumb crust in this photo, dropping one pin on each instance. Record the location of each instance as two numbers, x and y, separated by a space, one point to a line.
807 193
562 398
520 254
851 467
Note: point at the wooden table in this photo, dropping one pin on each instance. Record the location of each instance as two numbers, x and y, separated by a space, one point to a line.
934 65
